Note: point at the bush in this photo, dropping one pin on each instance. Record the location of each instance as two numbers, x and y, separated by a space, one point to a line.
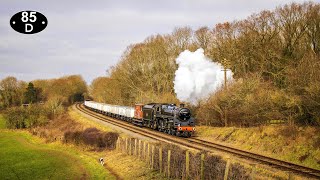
26 117
92 137
16 118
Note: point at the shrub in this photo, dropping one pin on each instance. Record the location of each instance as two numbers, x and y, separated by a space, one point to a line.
26 117
92 137
15 117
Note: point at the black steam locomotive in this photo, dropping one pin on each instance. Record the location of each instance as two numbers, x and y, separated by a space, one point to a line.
169 118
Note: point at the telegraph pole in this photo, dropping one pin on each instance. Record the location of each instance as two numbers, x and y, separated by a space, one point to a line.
225 64
225 77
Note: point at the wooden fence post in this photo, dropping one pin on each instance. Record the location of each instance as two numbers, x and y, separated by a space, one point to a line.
169 158
117 144
226 172
135 147
139 151
148 155
130 144
152 157
144 150
187 165
202 167
160 159
121 144
126 148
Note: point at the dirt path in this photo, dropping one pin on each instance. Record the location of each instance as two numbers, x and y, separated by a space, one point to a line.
106 166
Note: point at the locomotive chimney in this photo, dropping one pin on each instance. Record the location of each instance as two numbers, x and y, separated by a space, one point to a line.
182 105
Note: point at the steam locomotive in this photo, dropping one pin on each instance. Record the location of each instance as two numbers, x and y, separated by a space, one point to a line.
167 118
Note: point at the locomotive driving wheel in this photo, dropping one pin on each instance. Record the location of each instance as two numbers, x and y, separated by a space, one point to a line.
155 125
173 132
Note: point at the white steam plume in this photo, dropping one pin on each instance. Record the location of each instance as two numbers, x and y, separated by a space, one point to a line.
197 76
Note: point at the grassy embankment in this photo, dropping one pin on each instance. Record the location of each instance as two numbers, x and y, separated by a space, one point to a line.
298 145
87 123
24 156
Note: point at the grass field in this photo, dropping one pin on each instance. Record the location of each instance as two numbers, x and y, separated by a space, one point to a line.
24 156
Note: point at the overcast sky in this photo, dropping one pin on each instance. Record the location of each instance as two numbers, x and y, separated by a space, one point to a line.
87 37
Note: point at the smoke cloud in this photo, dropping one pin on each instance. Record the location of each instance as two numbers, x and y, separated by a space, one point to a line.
197 76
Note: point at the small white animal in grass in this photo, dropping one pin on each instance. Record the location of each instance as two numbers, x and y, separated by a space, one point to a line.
101 161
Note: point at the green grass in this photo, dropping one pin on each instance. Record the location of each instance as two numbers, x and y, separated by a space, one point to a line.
26 157
2 122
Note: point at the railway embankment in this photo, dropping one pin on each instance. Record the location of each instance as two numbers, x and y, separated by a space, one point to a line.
300 145
248 169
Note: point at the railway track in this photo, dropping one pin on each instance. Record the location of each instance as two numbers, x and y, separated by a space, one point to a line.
199 144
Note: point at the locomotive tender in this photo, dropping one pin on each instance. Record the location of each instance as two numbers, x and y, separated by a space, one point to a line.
163 117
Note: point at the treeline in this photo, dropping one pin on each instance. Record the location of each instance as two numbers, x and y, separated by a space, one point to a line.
275 57
42 100
40 107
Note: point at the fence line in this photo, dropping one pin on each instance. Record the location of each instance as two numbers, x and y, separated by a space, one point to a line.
178 163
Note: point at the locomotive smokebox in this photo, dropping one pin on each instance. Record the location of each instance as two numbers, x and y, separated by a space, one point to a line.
182 105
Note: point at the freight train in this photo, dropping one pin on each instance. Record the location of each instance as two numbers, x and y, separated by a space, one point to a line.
167 118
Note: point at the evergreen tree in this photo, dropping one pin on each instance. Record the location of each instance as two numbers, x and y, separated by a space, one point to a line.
31 94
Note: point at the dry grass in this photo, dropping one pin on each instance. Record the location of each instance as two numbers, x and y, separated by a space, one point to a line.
298 145
55 129
86 122
130 167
